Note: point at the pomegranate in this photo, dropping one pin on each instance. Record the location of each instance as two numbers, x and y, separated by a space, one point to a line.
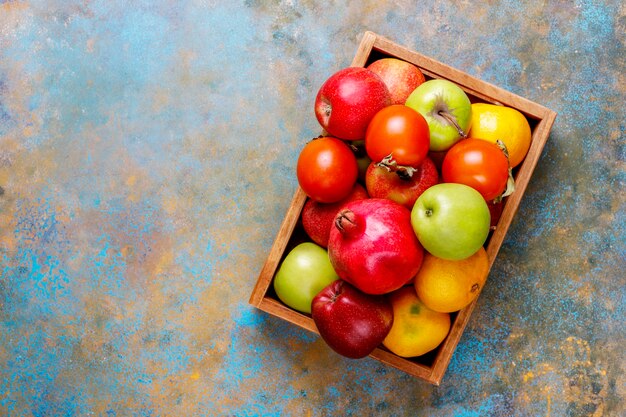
373 246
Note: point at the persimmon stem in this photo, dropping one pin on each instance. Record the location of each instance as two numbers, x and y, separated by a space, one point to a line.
391 165
510 182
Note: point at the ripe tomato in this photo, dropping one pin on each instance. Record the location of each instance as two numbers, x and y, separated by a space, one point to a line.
399 131
327 169
480 164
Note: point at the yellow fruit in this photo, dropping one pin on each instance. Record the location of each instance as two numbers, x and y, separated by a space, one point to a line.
416 329
448 286
491 122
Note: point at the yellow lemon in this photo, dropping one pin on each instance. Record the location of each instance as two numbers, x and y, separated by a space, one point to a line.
416 329
492 122
448 286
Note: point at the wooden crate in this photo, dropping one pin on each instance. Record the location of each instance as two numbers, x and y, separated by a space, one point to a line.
432 366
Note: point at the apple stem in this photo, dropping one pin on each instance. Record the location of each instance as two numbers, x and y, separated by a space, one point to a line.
337 293
450 119
390 164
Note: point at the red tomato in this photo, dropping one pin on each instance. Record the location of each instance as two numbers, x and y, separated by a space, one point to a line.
480 164
399 131
327 169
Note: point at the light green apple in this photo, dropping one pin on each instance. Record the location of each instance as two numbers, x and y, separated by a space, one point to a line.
447 110
304 272
451 220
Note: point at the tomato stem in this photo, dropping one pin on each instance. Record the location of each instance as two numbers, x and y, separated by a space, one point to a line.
503 148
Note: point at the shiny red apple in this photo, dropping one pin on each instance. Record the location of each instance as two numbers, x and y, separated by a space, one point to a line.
384 182
400 77
347 101
351 322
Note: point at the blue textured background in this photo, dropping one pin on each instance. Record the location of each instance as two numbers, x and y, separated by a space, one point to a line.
147 156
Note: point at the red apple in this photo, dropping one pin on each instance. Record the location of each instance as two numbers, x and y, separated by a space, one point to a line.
347 101
383 182
495 209
400 77
318 218
352 323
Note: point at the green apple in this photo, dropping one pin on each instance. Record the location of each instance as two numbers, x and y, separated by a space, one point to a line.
446 108
451 220
304 272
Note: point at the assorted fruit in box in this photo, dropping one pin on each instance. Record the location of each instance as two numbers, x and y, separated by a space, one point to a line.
403 189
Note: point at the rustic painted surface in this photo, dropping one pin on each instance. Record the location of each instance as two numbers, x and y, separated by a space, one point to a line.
147 154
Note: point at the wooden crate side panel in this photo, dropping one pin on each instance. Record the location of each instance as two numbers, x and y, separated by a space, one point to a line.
539 139
472 85
278 309
447 348
278 248
405 365
364 50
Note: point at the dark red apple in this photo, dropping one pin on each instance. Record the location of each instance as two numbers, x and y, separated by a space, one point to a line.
352 323
495 209
384 182
400 77
348 100
373 246
318 218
